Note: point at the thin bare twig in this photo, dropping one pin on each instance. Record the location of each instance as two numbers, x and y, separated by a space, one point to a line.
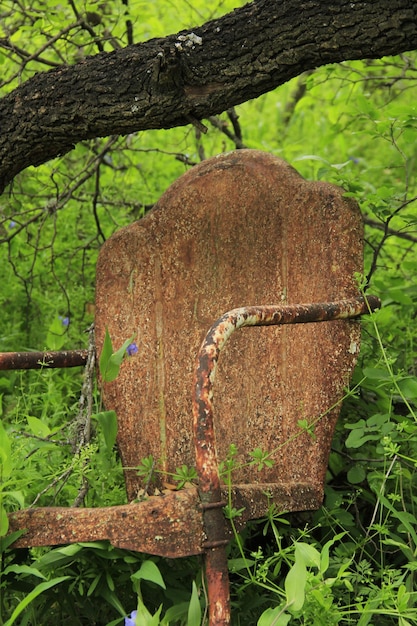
223 126
82 428
83 420
36 55
386 229
391 231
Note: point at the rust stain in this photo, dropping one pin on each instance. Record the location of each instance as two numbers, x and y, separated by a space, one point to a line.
38 360
204 436
241 228
169 525
160 364
213 344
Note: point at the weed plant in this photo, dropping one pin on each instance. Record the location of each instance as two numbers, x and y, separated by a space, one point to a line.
354 561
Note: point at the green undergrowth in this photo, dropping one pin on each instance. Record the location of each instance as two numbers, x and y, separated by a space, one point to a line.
353 562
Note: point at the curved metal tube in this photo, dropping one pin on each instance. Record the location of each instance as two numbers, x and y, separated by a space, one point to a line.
205 444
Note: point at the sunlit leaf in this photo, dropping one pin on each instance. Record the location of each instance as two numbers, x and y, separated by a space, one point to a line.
149 571
194 610
108 423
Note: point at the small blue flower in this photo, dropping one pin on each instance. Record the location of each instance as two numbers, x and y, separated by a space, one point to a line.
64 320
132 349
12 224
354 159
131 621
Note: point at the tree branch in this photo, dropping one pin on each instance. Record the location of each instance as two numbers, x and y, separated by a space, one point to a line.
193 74
390 231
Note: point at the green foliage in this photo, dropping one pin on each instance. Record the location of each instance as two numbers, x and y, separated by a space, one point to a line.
182 476
101 584
355 560
111 361
40 588
148 571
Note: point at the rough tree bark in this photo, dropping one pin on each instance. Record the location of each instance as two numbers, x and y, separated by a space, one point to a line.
193 74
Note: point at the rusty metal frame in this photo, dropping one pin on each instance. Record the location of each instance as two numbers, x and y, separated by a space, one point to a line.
216 534
205 442
38 360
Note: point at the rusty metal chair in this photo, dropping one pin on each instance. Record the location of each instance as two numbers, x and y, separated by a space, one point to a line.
240 229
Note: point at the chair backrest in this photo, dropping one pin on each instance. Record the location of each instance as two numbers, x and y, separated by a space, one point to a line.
243 228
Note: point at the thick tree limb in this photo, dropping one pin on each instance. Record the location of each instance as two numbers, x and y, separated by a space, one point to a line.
192 75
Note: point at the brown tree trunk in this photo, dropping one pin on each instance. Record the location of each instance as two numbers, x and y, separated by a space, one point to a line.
194 74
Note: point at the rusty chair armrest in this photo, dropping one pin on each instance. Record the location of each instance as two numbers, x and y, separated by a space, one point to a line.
213 344
204 438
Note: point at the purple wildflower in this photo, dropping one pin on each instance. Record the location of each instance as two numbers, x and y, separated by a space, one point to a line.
64 320
12 224
131 621
132 349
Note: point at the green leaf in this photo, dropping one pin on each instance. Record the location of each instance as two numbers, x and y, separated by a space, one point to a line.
144 617
357 438
194 610
94 584
117 357
105 356
106 352
110 361
58 557
295 583
356 475
324 555
4 521
38 427
235 565
56 335
108 423
399 295
176 614
149 571
364 105
408 520
5 542
32 595
25 570
408 387
312 157
5 453
111 372
113 600
405 549
376 373
275 616
16 495
309 554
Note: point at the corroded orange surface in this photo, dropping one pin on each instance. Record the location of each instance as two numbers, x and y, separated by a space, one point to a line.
243 228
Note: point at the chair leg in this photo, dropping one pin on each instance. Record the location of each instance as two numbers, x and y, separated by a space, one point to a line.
217 577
